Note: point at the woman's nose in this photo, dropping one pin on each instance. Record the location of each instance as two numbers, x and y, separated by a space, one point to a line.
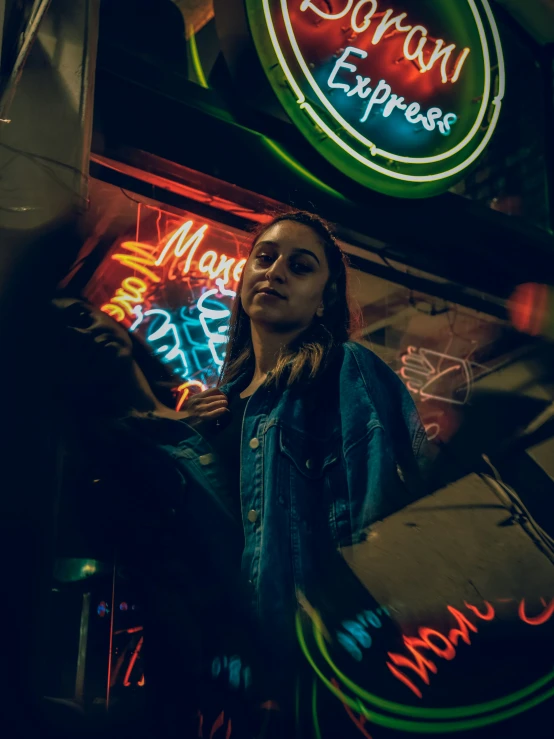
276 271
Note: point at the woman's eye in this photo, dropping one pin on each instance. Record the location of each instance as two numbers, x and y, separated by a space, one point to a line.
263 257
301 267
78 318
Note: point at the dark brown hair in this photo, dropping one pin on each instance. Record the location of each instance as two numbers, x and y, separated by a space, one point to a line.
311 351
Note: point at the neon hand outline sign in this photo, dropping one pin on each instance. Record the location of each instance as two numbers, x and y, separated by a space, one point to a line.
420 373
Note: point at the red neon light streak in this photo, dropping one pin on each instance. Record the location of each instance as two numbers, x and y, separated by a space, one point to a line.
185 390
421 666
399 676
542 618
465 625
126 681
358 723
488 616
218 723
447 652
132 630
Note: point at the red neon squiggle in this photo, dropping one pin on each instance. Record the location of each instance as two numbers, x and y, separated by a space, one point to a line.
421 666
405 680
542 618
218 723
185 390
447 653
488 616
126 681
463 631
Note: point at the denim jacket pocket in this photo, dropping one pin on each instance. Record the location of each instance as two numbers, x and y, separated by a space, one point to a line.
310 456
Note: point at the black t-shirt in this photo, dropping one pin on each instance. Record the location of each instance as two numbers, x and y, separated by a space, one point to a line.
225 441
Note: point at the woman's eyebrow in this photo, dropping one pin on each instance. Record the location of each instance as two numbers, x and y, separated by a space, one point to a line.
308 252
296 250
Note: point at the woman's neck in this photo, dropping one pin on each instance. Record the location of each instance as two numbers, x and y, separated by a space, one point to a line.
267 347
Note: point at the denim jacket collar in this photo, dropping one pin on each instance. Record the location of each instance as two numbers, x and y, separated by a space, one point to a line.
236 385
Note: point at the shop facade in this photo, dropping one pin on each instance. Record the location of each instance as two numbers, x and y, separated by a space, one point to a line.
393 125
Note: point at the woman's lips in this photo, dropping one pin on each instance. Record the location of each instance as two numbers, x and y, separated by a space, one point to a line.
271 294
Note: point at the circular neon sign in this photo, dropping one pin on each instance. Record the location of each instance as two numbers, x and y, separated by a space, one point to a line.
402 99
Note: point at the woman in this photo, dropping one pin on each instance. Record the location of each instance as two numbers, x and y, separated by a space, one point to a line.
140 485
319 437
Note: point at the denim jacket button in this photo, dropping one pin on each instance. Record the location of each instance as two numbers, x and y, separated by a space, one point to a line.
309 464
206 459
252 516
253 443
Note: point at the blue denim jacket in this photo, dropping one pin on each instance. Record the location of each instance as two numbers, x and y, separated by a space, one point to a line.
322 463
319 465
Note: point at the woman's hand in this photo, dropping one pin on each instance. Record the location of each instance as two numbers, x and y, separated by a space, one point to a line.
210 405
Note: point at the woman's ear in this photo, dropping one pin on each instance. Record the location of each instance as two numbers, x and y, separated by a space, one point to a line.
320 311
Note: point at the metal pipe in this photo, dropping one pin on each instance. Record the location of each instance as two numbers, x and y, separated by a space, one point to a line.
37 14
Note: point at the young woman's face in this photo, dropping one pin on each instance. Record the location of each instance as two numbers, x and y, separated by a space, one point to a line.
94 340
289 261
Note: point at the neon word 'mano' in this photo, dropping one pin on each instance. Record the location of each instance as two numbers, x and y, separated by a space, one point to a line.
180 244
361 19
143 259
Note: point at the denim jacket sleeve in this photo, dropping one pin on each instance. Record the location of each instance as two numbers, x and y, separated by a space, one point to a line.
387 454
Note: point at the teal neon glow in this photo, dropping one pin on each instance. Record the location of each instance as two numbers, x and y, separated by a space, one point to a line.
383 93
469 713
211 313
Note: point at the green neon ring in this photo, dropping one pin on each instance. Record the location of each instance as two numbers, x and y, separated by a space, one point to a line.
421 727
409 182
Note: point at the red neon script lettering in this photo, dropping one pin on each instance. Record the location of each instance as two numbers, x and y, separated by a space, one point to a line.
463 631
127 681
542 618
488 616
421 666
216 726
446 650
390 24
